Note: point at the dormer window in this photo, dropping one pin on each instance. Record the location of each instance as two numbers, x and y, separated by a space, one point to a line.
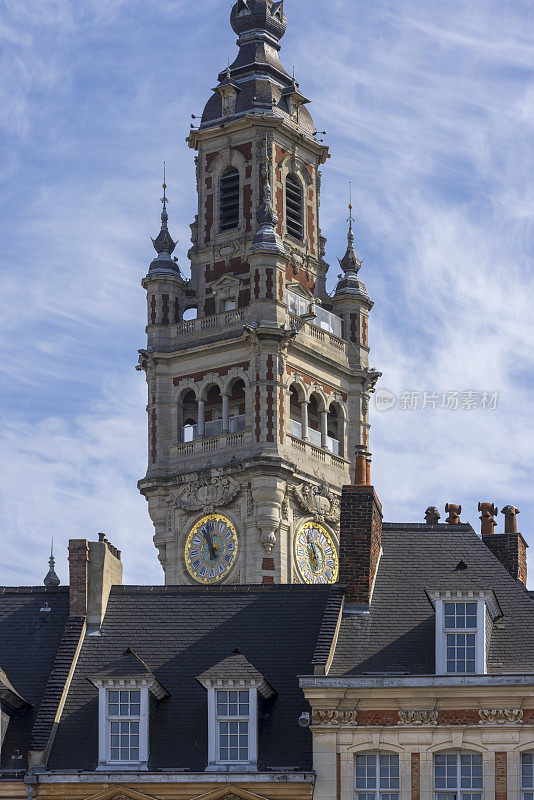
234 686
123 721
461 634
463 626
123 701
233 718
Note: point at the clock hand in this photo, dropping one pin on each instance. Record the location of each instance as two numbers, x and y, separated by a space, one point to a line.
207 536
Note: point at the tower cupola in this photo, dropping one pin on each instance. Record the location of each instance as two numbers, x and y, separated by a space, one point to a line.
256 83
163 243
349 284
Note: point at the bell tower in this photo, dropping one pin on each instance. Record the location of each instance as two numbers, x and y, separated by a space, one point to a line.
258 379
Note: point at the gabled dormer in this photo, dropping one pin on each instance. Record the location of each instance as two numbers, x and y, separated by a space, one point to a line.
234 688
123 712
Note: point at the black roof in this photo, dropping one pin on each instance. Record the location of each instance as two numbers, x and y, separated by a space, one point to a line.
398 633
29 640
179 632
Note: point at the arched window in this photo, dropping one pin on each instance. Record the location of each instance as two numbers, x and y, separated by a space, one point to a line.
229 200
295 413
458 776
334 431
213 412
189 414
294 214
314 421
377 776
236 404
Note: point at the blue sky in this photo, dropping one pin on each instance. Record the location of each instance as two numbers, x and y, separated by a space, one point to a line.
429 111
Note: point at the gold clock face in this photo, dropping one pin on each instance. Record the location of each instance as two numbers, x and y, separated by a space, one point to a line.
316 554
211 548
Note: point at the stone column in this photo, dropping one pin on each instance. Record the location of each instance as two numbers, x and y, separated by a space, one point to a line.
225 412
324 428
200 420
304 419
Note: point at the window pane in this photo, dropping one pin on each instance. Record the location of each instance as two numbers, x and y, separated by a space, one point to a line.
527 771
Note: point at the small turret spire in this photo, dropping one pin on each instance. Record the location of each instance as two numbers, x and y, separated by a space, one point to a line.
266 237
350 263
164 244
51 578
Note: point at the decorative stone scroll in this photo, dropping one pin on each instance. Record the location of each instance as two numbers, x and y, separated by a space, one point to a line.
420 717
333 716
206 493
500 716
318 501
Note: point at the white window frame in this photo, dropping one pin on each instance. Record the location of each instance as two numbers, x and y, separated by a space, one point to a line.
527 792
227 718
104 723
484 600
377 792
214 762
458 792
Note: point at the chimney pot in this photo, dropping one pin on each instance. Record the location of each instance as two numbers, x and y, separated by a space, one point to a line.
510 518
360 472
432 515
454 514
101 537
487 517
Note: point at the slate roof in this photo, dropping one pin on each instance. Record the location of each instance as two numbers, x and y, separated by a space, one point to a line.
397 635
179 632
29 640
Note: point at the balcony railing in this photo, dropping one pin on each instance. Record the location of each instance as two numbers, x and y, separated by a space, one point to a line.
213 428
209 323
295 429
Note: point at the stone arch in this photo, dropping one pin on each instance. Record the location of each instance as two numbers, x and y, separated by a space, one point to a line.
236 374
297 165
379 747
449 745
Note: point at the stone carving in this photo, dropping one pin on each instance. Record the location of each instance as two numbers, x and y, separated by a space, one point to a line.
454 512
250 501
419 717
206 493
500 716
318 501
334 716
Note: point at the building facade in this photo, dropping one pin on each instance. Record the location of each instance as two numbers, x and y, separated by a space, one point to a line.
301 648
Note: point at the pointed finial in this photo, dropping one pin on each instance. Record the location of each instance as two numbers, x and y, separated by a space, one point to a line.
350 235
228 71
164 198
51 578
293 73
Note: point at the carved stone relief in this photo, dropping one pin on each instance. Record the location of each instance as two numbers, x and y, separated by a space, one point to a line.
500 716
333 716
319 501
205 493
419 717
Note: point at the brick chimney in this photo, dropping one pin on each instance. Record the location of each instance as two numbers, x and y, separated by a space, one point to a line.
94 567
509 547
359 541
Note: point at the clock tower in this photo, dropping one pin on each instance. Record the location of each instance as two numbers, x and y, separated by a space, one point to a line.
258 378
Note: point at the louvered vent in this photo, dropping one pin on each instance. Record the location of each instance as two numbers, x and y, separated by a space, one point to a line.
229 200
294 207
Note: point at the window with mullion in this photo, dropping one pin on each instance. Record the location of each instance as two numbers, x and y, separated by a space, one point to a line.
458 776
123 718
232 725
460 629
377 776
527 776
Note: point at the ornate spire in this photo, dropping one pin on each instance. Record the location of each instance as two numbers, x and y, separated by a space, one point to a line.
164 244
350 263
51 578
266 237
